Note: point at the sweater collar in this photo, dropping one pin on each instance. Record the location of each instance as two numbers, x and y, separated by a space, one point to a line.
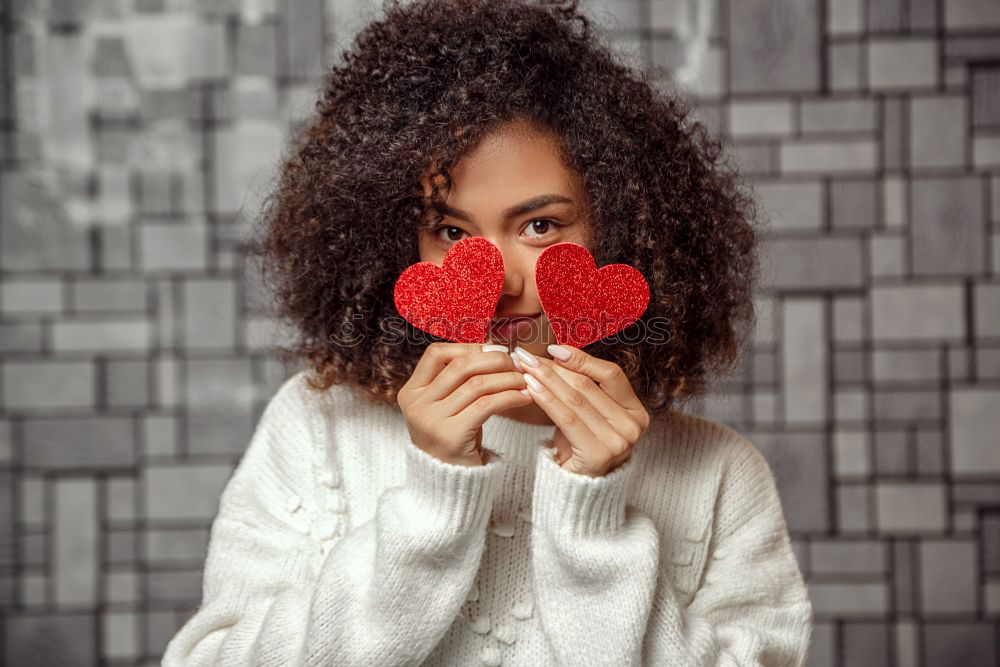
516 441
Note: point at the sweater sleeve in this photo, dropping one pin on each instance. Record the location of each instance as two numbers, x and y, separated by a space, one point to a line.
385 592
596 575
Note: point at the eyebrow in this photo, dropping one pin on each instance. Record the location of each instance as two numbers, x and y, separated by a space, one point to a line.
512 212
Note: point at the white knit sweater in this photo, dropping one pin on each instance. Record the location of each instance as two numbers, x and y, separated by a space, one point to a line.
339 542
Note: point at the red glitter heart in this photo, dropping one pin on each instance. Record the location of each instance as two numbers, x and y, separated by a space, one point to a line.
457 300
582 303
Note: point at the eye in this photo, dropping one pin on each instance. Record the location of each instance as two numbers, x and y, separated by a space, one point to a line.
449 234
542 226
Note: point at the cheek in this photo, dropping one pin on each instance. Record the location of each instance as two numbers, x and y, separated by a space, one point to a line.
427 250
579 233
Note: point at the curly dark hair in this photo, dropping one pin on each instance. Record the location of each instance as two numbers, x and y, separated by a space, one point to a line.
418 89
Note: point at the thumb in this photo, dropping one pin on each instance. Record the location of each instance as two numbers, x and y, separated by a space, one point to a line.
563 451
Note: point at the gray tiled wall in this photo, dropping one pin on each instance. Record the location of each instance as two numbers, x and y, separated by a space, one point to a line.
137 138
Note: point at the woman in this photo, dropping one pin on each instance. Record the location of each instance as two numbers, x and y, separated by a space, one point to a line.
443 503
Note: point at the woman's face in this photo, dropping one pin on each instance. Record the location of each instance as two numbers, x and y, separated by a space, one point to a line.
514 190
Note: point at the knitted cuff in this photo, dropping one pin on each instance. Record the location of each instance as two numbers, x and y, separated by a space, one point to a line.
579 505
459 497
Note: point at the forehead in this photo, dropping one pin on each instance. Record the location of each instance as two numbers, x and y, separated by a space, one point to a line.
510 164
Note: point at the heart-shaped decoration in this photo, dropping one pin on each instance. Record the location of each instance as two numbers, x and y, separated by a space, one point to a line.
454 301
584 303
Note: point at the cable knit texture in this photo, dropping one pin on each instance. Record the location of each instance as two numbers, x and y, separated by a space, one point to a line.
339 542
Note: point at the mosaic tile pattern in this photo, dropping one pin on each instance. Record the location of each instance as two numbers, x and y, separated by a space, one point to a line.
137 138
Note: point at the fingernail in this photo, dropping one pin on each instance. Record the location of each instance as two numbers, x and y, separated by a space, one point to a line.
525 392
559 352
526 357
494 348
517 362
534 384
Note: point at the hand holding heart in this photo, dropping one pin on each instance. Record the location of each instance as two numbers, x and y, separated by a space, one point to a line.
597 414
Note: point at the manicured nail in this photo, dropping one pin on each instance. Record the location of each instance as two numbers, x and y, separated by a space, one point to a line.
517 362
559 352
494 348
525 392
526 357
533 384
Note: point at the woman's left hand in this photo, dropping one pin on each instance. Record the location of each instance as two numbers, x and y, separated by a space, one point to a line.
597 414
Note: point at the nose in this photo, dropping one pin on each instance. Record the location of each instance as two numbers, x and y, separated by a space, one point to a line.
516 270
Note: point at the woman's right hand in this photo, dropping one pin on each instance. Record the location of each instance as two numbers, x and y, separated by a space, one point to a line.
454 388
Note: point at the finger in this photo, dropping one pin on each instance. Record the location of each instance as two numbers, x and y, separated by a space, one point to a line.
608 374
460 369
620 419
477 412
566 420
575 400
435 358
480 385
